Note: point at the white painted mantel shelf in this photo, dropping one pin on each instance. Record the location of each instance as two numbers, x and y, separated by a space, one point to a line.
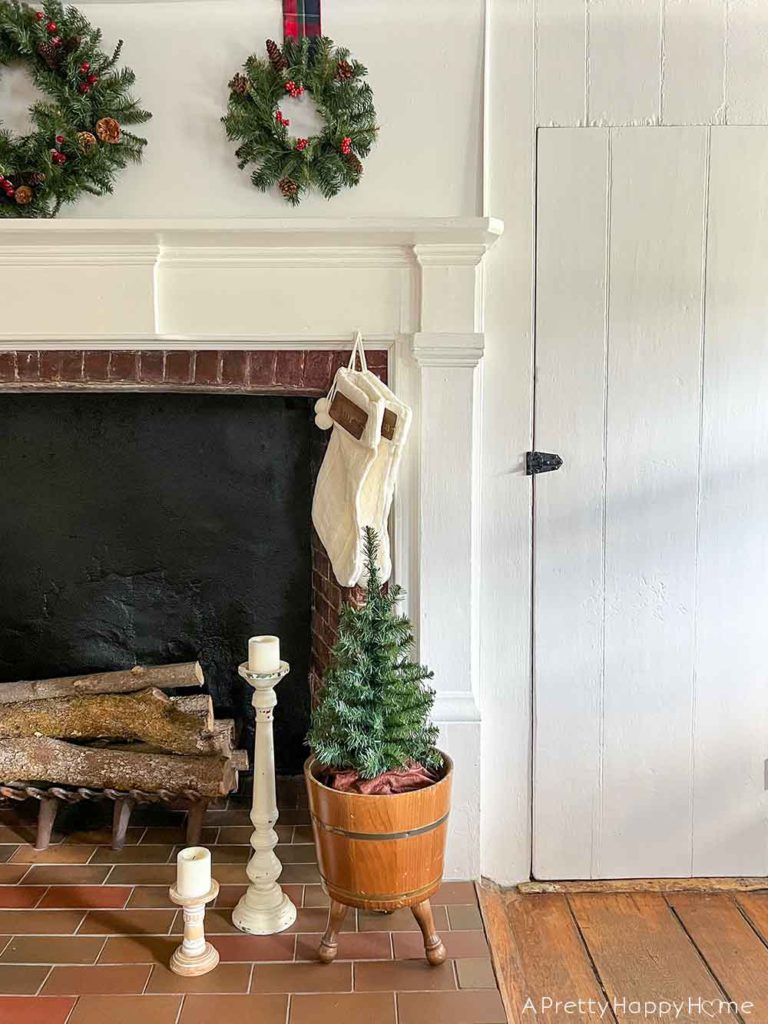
139 280
412 286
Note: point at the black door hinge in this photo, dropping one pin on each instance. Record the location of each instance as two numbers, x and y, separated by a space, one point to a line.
541 462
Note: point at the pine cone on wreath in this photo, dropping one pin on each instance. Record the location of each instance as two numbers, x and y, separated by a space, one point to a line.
108 130
288 187
86 141
71 44
239 84
355 164
36 179
344 71
276 56
50 54
24 195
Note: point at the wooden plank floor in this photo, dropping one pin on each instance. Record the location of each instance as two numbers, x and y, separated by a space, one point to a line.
630 957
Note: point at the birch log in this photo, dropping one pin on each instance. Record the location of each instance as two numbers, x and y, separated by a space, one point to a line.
180 726
39 759
162 677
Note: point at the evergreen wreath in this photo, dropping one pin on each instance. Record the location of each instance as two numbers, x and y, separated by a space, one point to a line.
329 161
79 140
373 712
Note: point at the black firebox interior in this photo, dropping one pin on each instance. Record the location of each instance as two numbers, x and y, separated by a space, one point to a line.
144 528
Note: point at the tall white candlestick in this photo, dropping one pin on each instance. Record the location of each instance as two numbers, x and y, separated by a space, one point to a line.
264 909
264 654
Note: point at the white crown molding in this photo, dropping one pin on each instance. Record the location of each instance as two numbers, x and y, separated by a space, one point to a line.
279 232
448 349
88 255
295 257
184 342
450 255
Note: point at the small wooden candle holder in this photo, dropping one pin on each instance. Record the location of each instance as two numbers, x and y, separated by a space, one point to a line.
194 956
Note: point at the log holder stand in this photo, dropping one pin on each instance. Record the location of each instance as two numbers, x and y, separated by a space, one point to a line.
51 797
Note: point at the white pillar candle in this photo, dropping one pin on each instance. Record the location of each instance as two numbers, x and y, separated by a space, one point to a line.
264 654
193 872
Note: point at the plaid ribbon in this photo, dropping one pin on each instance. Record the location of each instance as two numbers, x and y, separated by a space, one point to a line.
301 18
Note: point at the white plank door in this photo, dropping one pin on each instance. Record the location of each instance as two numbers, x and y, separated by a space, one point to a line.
650 551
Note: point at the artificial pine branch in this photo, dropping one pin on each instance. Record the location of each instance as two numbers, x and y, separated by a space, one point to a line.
373 712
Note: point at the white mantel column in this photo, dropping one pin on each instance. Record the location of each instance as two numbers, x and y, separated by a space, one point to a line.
448 351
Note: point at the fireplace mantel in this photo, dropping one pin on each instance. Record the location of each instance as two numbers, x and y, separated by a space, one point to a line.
273 232
413 287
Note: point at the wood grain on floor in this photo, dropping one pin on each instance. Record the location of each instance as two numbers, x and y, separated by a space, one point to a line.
632 957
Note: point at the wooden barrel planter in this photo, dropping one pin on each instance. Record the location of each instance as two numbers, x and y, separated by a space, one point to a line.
380 852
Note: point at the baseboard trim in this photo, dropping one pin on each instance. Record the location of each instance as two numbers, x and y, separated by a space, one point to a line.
661 885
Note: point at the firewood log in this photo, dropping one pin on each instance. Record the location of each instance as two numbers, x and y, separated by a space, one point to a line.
163 677
179 725
40 759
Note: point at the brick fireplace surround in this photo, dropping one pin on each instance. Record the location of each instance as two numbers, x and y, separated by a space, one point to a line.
86 932
264 372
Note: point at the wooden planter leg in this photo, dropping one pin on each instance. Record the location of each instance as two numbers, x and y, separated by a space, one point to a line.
46 816
329 944
433 946
195 817
121 816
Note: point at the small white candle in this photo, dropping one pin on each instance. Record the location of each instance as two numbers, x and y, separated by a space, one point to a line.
264 654
193 872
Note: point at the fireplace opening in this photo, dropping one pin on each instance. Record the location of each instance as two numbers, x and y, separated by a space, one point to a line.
152 527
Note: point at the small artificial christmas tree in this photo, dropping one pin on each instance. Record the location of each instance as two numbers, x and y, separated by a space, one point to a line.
373 713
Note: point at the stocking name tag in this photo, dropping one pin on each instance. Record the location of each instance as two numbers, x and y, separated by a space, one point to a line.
353 419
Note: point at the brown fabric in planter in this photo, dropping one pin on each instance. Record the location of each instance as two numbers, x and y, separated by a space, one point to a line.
399 780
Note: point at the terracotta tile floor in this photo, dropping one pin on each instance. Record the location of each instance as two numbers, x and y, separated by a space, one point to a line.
86 933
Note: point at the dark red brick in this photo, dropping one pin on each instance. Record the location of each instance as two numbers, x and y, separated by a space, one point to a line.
262 368
122 366
7 366
207 367
289 369
50 366
178 367
317 370
28 364
234 368
339 357
96 365
72 366
378 363
151 367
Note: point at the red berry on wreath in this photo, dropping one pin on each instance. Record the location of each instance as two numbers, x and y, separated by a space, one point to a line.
60 140
85 67
92 79
84 88
301 144
55 41
51 26
39 15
